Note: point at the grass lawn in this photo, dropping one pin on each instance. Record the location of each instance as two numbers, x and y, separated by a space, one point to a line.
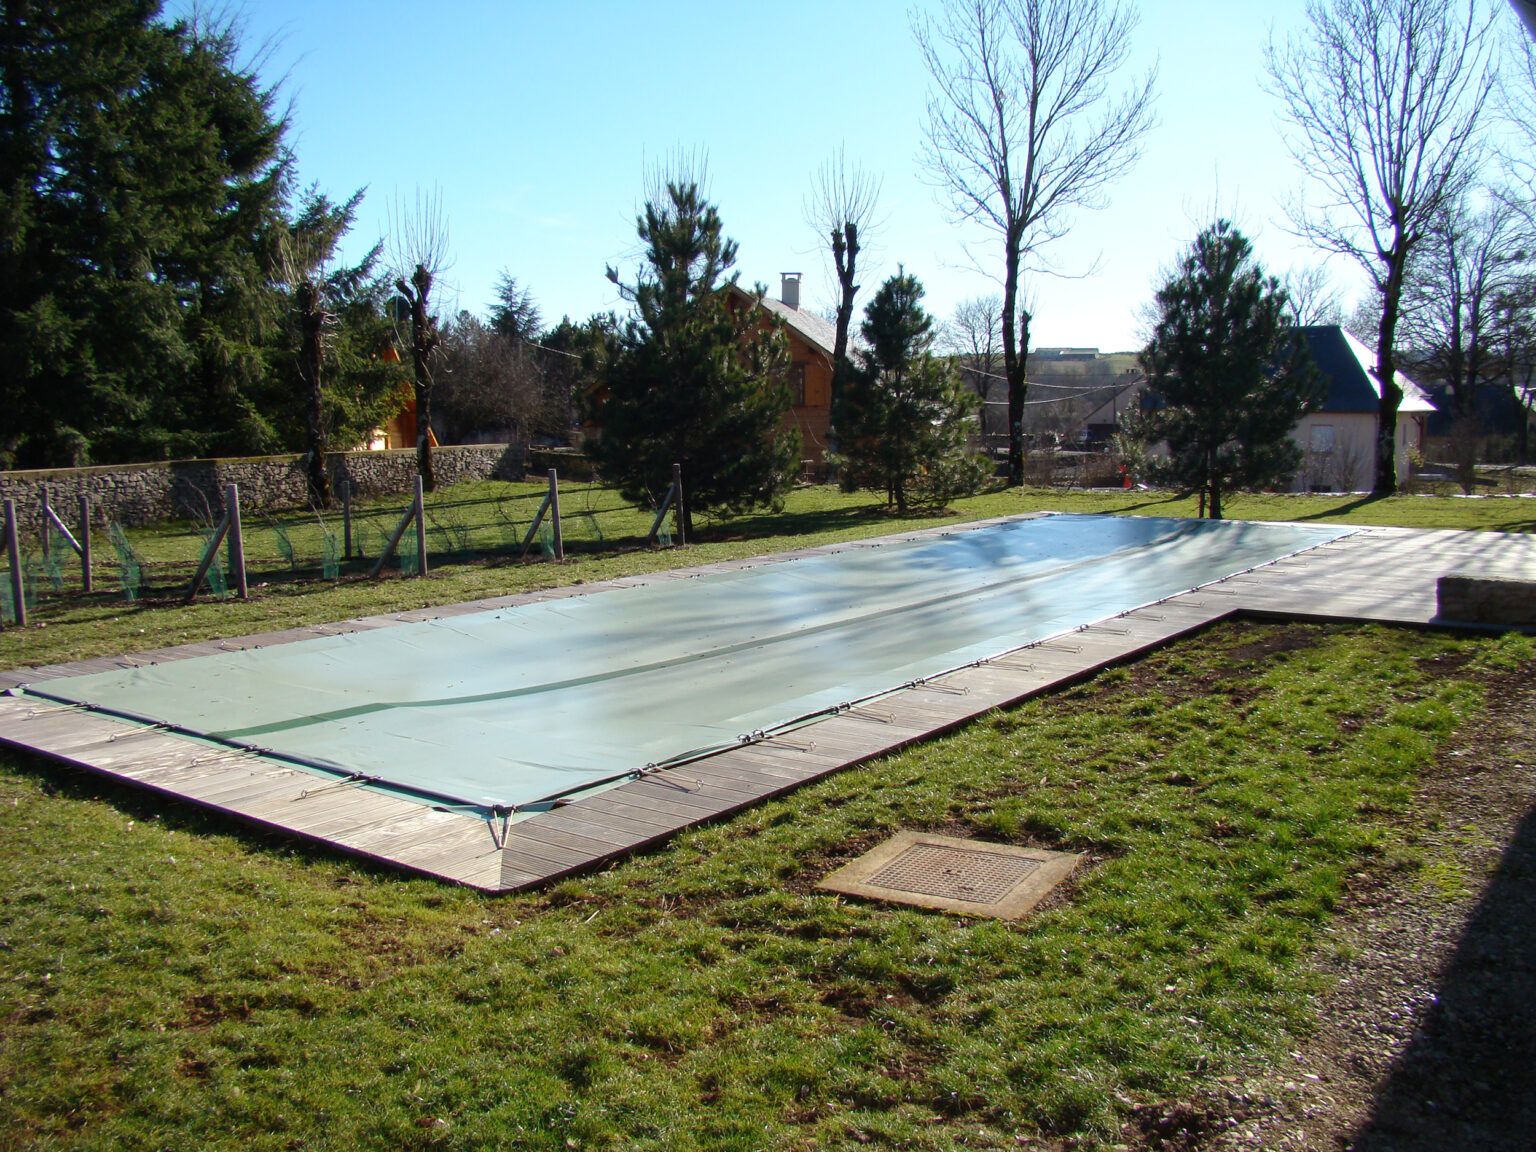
170 980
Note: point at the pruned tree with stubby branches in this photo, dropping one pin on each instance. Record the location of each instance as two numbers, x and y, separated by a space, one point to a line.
1385 100
419 247
1024 130
841 206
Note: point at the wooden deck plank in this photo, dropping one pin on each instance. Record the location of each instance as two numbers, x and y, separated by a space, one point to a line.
745 773
544 859
534 831
603 824
658 795
732 787
245 796
410 835
635 813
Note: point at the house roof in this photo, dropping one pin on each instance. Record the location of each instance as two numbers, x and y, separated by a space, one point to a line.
818 333
1347 364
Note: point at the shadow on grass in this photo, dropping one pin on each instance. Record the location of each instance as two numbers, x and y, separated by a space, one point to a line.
1513 524
1175 498
835 519
1343 509
1516 526
802 523
1468 1078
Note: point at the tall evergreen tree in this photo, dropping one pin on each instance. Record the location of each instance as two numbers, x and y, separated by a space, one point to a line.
904 412
514 315
694 380
1227 375
142 185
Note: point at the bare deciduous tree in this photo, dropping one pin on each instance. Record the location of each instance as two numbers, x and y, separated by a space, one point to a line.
1516 105
1471 259
975 335
1023 130
486 382
1311 296
1385 98
1516 335
419 254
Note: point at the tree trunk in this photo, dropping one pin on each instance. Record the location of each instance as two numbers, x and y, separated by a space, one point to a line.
1523 438
311 354
1386 370
845 254
1522 432
423 342
1013 362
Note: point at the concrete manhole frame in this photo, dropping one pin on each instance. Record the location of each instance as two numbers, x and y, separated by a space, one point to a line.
967 877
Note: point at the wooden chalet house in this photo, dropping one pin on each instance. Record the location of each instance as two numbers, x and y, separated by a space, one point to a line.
811 343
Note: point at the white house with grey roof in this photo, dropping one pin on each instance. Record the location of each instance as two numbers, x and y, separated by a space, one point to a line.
1338 441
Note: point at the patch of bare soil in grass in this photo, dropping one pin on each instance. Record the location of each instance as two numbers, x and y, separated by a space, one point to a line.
1427 1036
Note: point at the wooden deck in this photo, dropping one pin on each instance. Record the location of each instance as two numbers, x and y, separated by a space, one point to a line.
1377 574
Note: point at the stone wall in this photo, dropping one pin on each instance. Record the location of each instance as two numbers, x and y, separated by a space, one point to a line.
136 494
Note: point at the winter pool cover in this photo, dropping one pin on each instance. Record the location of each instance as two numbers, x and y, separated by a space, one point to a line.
512 706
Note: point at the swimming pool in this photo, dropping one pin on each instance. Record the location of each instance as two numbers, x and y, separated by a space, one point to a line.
509 708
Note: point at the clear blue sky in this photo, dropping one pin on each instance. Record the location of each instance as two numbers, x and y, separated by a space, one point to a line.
537 122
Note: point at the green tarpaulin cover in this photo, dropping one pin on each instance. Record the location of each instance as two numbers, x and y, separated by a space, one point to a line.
511 706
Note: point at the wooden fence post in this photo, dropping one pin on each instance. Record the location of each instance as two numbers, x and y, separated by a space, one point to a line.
421 530
13 552
554 511
677 487
346 518
85 543
47 524
236 540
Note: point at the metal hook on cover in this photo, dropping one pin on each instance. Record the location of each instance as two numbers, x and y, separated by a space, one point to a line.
351 781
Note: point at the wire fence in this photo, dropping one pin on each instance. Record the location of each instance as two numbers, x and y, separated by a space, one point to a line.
482 522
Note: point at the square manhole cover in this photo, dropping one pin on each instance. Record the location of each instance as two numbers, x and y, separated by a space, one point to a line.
966 876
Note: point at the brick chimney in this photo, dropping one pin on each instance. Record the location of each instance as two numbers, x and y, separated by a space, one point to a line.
789 291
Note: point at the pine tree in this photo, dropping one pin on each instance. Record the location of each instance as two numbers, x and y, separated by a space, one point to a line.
904 413
1227 375
693 380
515 315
